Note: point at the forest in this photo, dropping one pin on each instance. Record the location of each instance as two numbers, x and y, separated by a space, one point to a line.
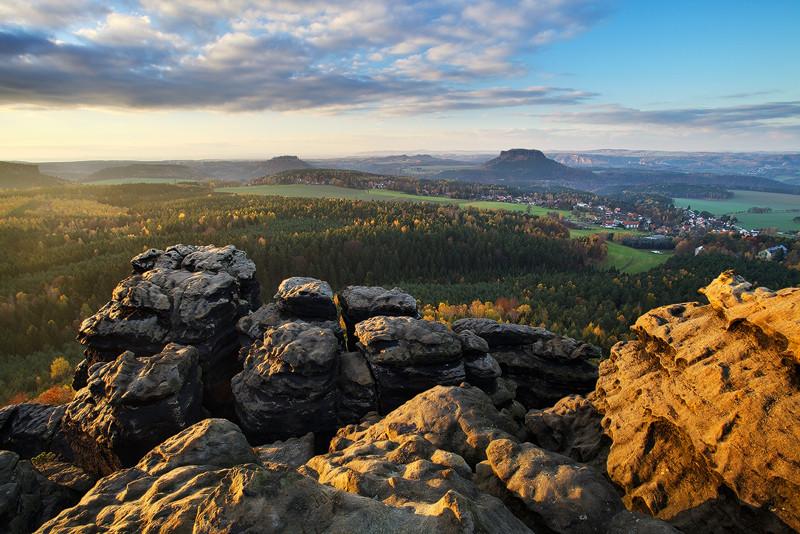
65 248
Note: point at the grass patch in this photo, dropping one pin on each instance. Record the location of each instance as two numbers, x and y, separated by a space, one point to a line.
785 207
122 181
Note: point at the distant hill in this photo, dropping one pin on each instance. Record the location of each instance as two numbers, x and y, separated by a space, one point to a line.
168 171
396 165
244 171
521 166
24 175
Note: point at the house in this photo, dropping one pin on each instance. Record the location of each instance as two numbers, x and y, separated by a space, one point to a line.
775 253
631 224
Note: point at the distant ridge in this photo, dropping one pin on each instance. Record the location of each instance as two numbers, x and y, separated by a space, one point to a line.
169 171
24 175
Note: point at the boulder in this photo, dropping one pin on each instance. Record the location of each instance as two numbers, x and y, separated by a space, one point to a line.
703 411
572 428
546 367
408 356
186 294
30 429
287 386
132 404
306 298
292 452
558 494
27 498
359 303
207 479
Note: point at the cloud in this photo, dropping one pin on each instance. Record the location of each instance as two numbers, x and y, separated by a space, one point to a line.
744 116
398 57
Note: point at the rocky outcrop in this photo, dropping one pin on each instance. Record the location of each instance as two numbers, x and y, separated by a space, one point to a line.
30 429
306 298
359 303
293 452
131 404
185 294
252 327
288 386
357 393
408 356
545 366
28 498
703 411
207 479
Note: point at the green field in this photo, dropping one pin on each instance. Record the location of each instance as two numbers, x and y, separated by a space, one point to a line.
120 181
330 191
784 208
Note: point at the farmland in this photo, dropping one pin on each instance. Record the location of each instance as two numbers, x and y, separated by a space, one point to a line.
784 208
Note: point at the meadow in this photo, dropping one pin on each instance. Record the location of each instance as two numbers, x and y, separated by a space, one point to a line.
123 181
784 208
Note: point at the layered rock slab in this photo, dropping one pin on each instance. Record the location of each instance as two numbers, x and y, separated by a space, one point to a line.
408 356
359 303
703 411
545 366
131 404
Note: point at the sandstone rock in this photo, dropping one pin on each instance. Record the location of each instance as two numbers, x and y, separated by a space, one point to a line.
27 499
30 428
194 483
306 298
359 303
572 428
413 459
188 295
63 473
293 452
703 411
251 327
132 404
287 387
546 367
408 356
560 495
357 394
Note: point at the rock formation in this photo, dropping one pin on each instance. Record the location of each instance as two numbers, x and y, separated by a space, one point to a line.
703 411
132 404
288 385
408 356
544 366
185 294
359 303
485 427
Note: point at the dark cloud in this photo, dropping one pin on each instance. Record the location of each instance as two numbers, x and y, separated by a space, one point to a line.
732 116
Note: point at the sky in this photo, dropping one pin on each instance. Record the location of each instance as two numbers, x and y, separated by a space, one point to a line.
204 79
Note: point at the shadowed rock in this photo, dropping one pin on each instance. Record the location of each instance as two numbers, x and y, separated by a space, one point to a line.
306 298
132 404
288 384
546 367
30 428
359 303
408 356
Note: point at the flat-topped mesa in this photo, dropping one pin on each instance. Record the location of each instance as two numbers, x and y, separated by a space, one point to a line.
191 295
131 404
359 303
703 411
408 356
545 366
